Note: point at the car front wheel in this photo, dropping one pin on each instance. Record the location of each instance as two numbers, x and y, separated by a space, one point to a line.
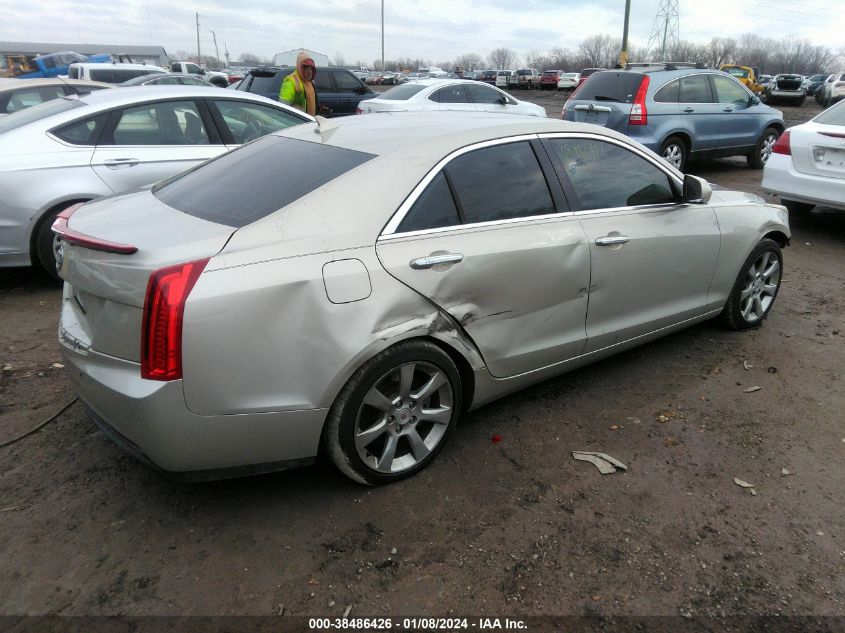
756 287
395 414
758 157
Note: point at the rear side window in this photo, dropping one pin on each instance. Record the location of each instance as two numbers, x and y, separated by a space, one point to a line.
619 87
323 81
669 93
500 183
36 113
28 97
73 72
401 93
267 85
696 89
833 116
215 191
346 81
483 94
84 132
435 208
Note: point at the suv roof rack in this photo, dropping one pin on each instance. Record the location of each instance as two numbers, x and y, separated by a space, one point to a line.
664 65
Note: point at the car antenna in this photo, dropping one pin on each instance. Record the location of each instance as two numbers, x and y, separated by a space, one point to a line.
325 128
73 88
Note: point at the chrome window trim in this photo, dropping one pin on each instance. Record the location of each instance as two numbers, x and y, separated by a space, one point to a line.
402 211
389 231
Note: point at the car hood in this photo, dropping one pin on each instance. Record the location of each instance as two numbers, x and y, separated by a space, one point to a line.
727 196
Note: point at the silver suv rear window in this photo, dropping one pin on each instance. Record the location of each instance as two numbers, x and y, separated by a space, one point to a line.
250 183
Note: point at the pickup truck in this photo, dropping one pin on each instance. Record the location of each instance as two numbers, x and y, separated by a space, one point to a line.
526 78
211 76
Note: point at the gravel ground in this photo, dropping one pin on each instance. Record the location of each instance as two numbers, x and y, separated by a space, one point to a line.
505 528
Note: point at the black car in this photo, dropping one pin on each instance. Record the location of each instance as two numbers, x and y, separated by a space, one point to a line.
487 76
166 79
337 88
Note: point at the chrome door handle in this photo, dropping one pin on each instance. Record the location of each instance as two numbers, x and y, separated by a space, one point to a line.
689 109
727 109
612 240
432 260
117 163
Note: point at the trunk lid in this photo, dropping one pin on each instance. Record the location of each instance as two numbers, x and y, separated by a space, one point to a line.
789 82
818 149
104 291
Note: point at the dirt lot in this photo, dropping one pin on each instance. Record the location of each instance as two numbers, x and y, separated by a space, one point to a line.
514 527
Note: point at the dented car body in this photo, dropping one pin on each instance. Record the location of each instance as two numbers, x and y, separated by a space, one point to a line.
245 333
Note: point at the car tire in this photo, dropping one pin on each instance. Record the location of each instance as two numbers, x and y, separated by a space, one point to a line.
756 287
380 414
763 148
43 242
797 207
674 151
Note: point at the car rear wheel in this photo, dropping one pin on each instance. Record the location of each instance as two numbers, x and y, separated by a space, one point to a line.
674 152
758 157
755 288
395 413
797 207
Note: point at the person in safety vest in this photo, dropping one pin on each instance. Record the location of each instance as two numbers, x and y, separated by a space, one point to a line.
298 88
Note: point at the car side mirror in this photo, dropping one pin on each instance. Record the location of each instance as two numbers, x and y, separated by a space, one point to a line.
503 100
361 90
754 100
696 190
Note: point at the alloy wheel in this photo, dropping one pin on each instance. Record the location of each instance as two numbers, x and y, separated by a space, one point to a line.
403 417
761 285
673 155
766 149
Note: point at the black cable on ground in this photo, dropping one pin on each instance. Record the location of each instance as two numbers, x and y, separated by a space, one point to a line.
40 426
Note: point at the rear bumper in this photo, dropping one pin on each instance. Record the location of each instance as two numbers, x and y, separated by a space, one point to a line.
150 420
781 178
788 94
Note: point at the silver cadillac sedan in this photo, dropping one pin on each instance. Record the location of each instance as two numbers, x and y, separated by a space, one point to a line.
272 304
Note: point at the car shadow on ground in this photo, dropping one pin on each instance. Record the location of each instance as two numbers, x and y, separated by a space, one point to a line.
26 280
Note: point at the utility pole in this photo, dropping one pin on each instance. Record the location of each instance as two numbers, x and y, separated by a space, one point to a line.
216 50
382 36
199 59
226 48
623 56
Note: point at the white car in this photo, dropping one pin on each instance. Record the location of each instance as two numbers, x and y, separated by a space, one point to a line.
502 78
833 89
111 73
568 81
77 148
807 165
448 94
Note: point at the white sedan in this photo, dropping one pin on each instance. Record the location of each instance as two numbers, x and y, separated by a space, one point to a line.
807 165
448 94
568 81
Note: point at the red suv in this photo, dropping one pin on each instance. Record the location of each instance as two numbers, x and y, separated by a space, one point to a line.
548 81
586 73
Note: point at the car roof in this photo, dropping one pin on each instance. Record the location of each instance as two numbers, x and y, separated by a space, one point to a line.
115 65
413 135
9 84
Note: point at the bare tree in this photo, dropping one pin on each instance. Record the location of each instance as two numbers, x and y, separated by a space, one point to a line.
250 59
597 50
686 51
754 50
339 59
469 61
502 58
721 50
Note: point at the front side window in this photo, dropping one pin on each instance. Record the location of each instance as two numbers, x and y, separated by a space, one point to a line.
696 89
500 183
450 94
167 123
729 91
73 72
167 81
249 121
483 94
606 176
346 82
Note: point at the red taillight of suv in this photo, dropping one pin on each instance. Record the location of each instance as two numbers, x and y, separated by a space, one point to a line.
164 309
639 112
359 111
782 145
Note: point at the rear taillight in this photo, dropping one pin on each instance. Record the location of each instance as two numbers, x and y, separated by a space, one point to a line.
639 112
164 309
782 145
359 111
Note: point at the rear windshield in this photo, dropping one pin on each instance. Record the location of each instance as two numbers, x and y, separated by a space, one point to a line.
619 87
252 182
266 85
401 93
833 116
550 73
36 113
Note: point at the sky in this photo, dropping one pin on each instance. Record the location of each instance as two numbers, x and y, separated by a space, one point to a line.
436 30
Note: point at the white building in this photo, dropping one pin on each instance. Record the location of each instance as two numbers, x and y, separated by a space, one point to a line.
288 58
